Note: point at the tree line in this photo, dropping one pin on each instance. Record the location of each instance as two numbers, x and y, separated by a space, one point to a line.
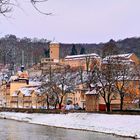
16 51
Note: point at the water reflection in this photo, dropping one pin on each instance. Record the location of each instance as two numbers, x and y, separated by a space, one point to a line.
13 130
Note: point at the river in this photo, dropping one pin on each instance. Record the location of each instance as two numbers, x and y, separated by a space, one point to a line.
14 130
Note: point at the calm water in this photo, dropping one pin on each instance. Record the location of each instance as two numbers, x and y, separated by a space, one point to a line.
13 130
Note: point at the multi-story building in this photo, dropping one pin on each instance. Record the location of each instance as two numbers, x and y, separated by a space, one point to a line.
85 61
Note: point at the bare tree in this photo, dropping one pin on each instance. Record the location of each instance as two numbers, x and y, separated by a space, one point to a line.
46 88
7 6
103 81
46 91
65 83
123 74
137 77
81 71
105 85
57 85
35 2
88 60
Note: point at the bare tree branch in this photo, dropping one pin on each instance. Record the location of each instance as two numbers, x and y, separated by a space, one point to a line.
34 3
6 6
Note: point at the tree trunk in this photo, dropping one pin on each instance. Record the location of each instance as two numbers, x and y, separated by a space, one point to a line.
23 101
60 103
4 59
36 104
55 105
121 103
48 105
108 107
139 103
17 102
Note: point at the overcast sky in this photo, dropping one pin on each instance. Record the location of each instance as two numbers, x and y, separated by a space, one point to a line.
76 21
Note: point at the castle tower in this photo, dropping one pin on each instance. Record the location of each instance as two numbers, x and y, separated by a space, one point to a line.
55 51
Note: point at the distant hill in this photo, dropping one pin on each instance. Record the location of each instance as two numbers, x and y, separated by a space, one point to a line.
13 49
128 45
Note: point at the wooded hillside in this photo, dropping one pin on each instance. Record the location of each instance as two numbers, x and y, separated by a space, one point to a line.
13 49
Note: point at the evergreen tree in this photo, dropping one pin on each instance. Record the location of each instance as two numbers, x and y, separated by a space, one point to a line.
47 53
82 51
73 51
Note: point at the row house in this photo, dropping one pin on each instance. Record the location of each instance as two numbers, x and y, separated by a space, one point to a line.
27 97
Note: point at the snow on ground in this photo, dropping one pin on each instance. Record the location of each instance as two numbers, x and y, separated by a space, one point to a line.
123 125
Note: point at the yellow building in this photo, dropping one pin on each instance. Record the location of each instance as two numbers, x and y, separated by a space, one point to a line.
78 96
132 90
5 94
27 97
55 52
14 85
21 91
92 101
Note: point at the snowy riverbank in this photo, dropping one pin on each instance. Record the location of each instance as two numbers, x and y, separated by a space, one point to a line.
123 125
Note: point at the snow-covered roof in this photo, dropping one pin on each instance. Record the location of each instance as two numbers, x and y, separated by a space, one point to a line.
93 92
128 78
15 93
26 91
135 101
54 42
13 78
38 91
121 56
34 83
124 55
92 55
105 61
64 88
